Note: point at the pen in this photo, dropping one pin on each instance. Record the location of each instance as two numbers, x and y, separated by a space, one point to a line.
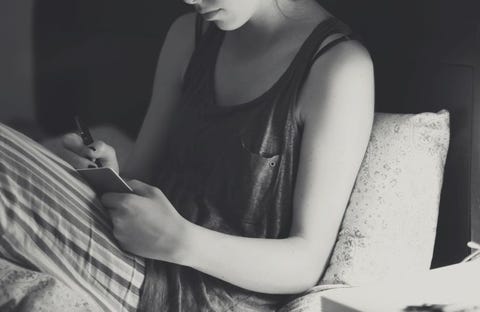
86 136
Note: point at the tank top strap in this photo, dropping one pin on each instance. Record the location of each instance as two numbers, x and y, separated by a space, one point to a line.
329 45
299 69
312 48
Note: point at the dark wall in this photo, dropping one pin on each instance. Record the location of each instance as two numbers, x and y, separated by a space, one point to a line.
16 61
97 59
401 34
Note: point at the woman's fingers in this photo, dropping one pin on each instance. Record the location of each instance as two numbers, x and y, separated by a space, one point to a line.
121 204
142 189
76 161
74 143
111 200
105 153
97 150
102 150
81 163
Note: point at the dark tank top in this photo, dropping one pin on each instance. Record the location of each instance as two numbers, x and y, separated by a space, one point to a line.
231 169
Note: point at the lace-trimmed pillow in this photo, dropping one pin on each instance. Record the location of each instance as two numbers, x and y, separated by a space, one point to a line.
390 223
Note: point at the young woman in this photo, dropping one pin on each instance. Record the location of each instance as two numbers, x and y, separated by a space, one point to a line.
260 115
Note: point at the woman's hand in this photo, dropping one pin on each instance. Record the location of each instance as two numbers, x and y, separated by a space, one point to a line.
81 156
146 223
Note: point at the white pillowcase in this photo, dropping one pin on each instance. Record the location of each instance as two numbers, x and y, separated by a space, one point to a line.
390 223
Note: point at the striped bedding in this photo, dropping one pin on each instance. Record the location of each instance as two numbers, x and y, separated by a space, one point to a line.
51 221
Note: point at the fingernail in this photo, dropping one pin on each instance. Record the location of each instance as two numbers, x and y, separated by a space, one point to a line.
92 148
92 166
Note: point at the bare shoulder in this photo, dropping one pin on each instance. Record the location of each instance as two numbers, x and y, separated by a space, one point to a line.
183 28
182 31
348 55
185 23
177 49
345 69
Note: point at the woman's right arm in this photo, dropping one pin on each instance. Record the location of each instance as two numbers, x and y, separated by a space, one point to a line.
173 60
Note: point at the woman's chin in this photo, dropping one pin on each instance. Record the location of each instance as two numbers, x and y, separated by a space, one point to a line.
227 25
224 20
224 26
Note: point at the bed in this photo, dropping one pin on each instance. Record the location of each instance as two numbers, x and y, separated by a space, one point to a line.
441 73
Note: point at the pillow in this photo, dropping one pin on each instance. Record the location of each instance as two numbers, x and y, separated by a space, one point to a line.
390 223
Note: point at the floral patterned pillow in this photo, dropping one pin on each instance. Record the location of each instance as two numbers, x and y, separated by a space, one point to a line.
390 223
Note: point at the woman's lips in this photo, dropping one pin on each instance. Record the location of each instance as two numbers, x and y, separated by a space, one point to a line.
210 15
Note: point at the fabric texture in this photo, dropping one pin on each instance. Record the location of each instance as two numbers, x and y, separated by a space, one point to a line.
23 290
51 221
311 300
390 223
230 169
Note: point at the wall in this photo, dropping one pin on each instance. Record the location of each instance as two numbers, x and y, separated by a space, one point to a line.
16 60
98 61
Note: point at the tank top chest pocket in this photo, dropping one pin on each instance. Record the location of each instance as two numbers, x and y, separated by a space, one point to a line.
242 181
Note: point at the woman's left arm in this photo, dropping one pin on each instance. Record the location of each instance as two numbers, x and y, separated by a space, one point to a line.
336 107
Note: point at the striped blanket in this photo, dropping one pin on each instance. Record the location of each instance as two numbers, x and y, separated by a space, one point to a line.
51 221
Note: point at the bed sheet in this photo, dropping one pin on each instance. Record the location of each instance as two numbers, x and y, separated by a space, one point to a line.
25 290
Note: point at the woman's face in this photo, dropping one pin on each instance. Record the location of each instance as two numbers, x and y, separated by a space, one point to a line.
227 14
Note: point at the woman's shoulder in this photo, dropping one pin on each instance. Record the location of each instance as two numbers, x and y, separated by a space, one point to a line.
347 54
344 59
179 44
345 67
185 25
182 33
182 28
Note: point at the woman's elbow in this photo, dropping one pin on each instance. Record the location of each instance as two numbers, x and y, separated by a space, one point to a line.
308 272
309 277
303 281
